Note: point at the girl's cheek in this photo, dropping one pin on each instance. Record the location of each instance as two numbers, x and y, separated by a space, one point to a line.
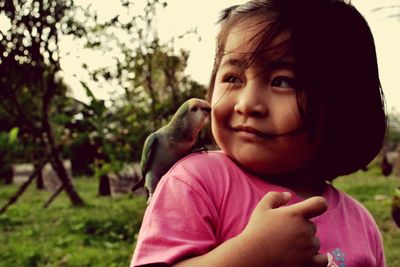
220 115
221 106
216 96
216 112
216 127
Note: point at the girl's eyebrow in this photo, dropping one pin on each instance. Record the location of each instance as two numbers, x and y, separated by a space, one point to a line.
282 63
234 62
279 64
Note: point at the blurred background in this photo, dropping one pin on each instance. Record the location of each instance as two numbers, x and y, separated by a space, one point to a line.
82 84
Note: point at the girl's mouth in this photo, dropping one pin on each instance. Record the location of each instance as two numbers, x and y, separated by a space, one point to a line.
252 131
248 130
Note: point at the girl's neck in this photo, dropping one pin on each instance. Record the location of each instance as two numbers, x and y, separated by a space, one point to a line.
304 184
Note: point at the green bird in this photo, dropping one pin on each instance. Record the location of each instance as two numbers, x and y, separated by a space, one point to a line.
167 145
396 206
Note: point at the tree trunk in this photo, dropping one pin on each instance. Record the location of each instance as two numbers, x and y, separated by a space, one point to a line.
104 186
69 188
39 178
40 182
58 167
8 175
53 150
52 197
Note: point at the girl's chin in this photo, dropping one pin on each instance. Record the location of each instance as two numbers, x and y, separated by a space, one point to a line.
254 164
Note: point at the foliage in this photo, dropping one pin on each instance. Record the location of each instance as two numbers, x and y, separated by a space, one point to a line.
35 97
29 60
149 72
32 92
9 141
390 11
106 135
29 65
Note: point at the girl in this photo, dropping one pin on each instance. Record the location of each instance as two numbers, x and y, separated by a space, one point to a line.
296 102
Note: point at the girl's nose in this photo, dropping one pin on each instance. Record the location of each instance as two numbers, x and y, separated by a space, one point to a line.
251 103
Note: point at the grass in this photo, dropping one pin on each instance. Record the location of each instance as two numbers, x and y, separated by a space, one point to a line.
103 233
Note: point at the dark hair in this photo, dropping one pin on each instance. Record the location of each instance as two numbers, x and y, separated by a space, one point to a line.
335 67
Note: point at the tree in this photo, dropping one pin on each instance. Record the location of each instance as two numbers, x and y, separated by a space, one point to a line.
394 11
106 139
29 65
150 71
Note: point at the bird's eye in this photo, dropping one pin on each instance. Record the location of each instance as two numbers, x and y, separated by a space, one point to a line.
206 109
194 109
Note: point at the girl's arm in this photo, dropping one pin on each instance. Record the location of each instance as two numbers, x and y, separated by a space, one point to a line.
275 236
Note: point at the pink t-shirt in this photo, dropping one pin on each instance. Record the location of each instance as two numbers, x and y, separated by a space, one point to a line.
206 199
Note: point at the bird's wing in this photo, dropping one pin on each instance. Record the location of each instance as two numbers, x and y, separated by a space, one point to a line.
148 152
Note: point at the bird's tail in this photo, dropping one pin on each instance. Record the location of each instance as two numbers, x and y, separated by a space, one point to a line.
138 185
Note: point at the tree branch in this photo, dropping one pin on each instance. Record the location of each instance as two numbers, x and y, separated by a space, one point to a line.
24 186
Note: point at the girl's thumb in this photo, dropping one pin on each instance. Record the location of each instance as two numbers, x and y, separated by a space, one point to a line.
273 200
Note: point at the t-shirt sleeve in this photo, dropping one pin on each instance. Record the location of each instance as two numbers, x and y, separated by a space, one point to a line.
179 223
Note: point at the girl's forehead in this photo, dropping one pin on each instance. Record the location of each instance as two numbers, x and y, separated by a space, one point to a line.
245 42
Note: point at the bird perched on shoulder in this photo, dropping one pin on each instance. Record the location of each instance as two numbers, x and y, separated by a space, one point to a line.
396 206
167 145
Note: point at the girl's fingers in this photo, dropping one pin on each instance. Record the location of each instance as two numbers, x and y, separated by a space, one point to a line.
310 207
273 200
320 260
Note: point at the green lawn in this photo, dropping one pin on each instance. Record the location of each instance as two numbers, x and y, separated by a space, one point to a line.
101 234
104 232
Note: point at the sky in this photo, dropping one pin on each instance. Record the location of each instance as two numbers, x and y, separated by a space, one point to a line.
181 16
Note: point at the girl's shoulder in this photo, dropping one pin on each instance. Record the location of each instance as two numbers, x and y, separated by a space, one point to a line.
206 156
201 162
211 169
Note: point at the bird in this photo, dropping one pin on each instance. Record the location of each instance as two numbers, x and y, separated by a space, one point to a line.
164 147
396 206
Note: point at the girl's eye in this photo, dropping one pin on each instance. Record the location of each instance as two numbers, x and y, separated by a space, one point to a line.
231 79
283 82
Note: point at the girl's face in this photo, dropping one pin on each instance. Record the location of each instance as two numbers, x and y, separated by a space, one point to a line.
255 115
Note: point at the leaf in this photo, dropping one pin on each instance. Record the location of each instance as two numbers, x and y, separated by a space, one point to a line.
89 92
13 135
62 119
98 106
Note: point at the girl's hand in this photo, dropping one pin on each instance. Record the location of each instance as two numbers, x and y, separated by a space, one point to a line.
275 236
278 235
